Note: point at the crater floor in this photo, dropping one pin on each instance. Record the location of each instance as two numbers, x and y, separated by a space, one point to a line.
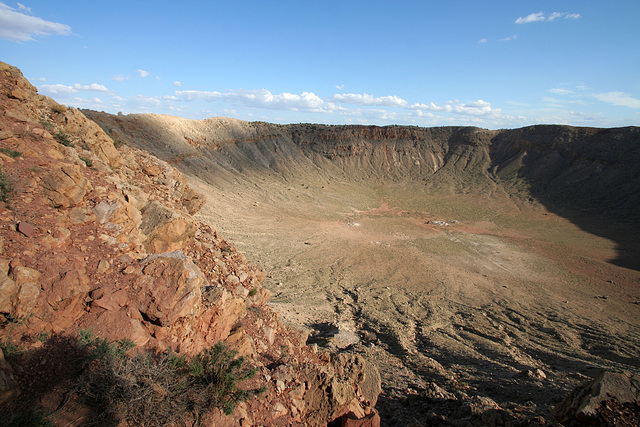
447 294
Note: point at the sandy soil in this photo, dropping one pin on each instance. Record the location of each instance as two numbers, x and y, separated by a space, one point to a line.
454 297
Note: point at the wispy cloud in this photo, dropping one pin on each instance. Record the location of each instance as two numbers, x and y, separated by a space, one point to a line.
532 17
64 90
260 98
618 98
560 91
21 26
177 83
476 108
541 16
483 40
142 73
120 78
509 38
369 100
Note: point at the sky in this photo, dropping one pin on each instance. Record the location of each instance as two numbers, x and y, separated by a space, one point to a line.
492 64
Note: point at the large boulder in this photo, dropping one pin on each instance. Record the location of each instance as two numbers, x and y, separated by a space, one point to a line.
28 286
167 229
610 399
169 289
8 287
19 289
349 386
65 186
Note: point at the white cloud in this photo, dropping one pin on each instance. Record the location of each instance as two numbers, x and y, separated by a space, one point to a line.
120 78
618 98
369 100
540 16
24 8
476 108
483 41
554 15
260 98
532 17
57 89
61 90
177 83
560 91
339 87
142 73
19 27
93 87
509 38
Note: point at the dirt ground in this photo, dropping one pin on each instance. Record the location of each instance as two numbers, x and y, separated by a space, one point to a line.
453 297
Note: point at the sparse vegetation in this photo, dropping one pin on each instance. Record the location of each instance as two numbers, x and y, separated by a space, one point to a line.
141 389
87 161
162 389
253 292
6 188
11 153
64 139
118 143
10 350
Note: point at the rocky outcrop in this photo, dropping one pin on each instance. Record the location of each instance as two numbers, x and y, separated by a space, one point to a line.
611 399
167 229
65 186
347 386
100 238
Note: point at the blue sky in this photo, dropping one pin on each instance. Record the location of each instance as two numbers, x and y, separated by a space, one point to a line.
493 64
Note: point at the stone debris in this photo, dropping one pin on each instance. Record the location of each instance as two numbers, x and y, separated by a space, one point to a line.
26 228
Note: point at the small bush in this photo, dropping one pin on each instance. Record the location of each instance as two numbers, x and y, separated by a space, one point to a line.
6 188
216 373
11 153
87 161
10 350
64 139
162 389
253 292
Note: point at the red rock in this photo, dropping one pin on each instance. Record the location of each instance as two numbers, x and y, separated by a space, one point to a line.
26 228
371 420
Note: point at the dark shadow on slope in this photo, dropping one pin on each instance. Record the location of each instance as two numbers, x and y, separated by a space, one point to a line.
587 175
48 380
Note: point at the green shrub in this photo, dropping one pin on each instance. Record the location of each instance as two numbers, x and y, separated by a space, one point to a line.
6 188
117 386
86 161
162 389
64 139
216 373
10 350
10 152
